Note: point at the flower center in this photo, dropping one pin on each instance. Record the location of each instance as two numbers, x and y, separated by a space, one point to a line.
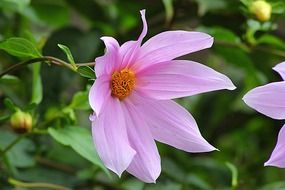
122 84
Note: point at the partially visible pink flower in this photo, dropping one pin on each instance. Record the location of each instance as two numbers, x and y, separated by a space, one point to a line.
270 100
131 99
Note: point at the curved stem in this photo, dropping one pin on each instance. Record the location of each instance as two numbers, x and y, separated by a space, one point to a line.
50 59
85 64
23 63
36 185
272 51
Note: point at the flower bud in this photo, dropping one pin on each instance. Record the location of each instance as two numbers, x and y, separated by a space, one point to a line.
21 122
261 9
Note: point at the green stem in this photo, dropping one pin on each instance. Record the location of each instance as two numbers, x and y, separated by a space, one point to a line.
36 185
14 142
50 59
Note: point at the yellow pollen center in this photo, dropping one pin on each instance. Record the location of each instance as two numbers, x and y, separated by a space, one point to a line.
122 84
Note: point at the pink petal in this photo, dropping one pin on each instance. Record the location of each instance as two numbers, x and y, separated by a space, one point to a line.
146 163
280 68
171 124
171 44
277 157
99 93
179 78
110 137
268 99
108 62
129 50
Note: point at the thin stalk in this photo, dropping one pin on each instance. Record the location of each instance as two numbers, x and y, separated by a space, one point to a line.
272 51
49 59
36 185
250 48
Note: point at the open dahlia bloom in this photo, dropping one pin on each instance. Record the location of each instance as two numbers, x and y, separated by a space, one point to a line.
270 100
131 99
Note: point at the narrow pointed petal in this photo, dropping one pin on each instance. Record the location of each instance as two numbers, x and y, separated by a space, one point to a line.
99 93
179 78
146 163
129 50
171 124
108 62
280 68
277 157
110 137
171 44
268 99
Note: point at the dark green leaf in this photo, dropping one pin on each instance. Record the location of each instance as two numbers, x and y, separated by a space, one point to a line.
20 47
18 155
80 140
86 71
53 12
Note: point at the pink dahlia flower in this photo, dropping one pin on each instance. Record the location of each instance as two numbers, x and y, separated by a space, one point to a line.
131 99
270 100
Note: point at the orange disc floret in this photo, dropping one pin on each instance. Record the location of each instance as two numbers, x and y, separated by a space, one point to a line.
122 83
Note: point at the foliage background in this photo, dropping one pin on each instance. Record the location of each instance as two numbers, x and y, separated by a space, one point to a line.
57 151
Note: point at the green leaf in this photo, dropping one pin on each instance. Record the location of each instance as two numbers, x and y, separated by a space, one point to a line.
20 47
14 5
220 33
37 90
80 101
68 54
18 155
10 104
278 7
271 40
86 72
9 79
80 140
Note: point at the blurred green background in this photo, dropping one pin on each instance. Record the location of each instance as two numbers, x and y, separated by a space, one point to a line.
246 47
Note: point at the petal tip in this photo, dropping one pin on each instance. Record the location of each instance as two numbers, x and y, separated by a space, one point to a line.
270 163
267 164
273 163
211 41
142 12
232 87
117 172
